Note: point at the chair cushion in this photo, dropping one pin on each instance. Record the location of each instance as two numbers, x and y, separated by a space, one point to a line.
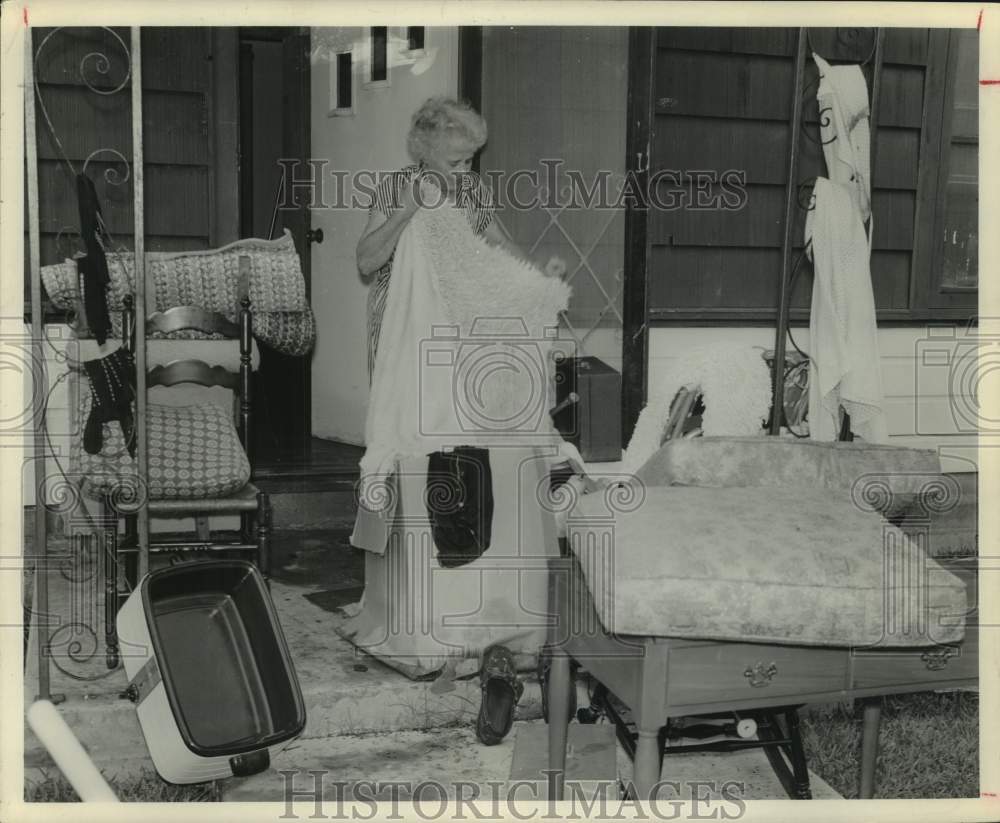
892 480
749 564
194 453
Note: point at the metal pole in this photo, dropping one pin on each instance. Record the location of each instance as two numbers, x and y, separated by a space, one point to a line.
39 380
874 108
140 302
791 201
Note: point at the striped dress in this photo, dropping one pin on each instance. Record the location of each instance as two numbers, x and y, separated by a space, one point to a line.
479 209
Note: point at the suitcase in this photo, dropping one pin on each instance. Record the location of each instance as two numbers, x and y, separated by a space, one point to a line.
209 671
592 422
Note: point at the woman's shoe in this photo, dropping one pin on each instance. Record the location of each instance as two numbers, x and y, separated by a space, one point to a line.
501 690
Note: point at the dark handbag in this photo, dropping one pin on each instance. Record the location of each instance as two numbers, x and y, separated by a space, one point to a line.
459 498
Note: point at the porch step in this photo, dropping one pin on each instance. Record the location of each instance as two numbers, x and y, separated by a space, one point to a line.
314 509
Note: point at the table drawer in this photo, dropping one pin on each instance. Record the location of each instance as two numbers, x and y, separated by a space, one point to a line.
731 672
931 668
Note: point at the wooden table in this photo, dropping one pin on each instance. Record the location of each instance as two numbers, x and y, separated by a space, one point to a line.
660 678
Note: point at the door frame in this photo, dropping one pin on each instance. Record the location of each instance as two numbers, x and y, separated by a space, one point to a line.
296 142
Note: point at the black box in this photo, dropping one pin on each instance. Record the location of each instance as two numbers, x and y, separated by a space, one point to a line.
593 422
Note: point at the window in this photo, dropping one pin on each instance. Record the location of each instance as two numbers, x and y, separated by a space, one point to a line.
713 107
379 54
960 253
341 84
415 38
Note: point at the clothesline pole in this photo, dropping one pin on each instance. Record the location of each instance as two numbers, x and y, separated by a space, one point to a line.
41 537
873 110
140 303
791 202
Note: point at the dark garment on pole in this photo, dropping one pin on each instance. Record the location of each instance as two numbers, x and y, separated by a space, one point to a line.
93 267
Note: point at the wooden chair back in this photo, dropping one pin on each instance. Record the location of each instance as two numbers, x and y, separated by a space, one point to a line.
195 318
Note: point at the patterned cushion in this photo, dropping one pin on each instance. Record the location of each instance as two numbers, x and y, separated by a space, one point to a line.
804 567
194 452
209 279
889 479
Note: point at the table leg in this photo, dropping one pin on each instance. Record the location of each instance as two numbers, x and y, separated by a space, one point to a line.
869 747
797 757
647 764
558 700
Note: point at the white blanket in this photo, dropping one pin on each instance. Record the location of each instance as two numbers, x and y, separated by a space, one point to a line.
844 361
464 351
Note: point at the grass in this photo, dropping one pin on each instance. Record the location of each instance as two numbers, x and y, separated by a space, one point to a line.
146 787
928 746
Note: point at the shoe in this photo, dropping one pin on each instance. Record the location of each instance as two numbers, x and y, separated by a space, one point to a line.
501 690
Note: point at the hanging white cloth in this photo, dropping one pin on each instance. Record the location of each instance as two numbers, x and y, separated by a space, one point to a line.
845 368
845 130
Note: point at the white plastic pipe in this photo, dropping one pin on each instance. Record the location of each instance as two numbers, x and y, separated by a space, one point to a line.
57 737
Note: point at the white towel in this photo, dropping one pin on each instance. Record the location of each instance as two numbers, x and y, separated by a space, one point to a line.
844 127
844 362
464 350
735 385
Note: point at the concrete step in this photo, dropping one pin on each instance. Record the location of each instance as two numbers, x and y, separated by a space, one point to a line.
361 767
325 509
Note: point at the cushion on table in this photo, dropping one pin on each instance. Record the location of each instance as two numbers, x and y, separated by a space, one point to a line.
892 480
751 564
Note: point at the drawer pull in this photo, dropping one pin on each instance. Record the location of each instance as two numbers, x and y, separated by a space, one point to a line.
938 658
759 675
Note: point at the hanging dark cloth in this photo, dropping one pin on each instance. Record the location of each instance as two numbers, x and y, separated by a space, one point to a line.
459 502
93 267
112 387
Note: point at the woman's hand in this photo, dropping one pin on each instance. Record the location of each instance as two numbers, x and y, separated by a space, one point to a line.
409 202
379 239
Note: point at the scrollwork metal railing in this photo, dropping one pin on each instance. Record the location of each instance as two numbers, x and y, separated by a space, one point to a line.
69 640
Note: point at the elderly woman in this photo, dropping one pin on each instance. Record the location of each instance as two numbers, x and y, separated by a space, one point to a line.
444 137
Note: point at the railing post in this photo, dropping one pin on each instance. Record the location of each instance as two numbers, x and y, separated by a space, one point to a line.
246 361
781 330
40 607
142 453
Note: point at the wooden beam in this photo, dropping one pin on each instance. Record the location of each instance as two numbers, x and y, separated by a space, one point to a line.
931 173
470 72
635 300
225 135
